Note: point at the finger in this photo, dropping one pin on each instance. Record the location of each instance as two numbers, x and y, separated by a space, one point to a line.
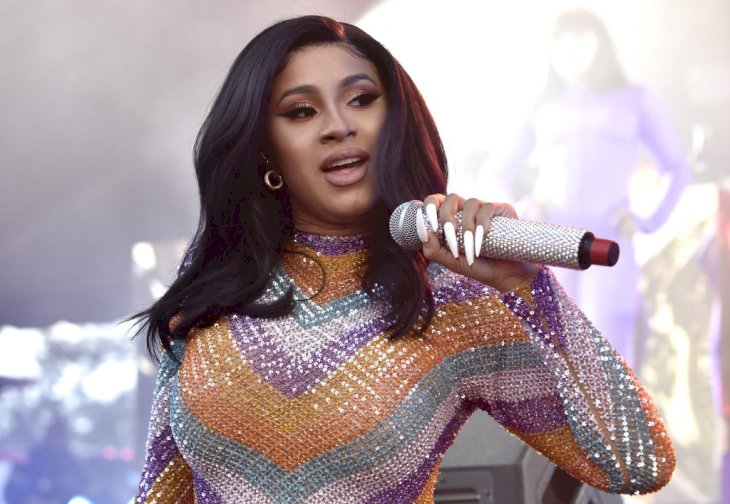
429 214
469 246
447 215
469 210
450 237
478 239
421 227
431 205
484 215
504 210
449 206
483 220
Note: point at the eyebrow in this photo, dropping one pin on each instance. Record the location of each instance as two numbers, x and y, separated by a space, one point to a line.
308 88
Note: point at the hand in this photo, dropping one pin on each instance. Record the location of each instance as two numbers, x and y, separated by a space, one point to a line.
476 214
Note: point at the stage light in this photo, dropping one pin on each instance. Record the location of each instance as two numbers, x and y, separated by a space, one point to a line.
143 256
80 499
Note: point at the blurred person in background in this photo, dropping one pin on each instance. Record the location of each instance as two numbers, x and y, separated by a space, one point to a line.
582 143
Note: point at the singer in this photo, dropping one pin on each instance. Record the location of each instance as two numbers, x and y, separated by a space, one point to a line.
306 357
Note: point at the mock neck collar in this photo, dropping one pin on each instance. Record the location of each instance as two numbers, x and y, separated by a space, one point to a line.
331 244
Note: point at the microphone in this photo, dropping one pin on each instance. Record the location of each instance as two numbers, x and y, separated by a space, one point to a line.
515 240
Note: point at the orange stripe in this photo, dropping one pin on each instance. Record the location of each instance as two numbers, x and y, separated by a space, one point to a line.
174 485
426 496
243 407
662 444
457 327
344 272
565 452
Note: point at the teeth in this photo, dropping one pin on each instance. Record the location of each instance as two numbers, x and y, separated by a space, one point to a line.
344 162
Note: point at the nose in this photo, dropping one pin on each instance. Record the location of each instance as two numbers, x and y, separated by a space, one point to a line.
337 127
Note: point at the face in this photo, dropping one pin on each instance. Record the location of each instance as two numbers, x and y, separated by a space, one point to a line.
572 54
325 113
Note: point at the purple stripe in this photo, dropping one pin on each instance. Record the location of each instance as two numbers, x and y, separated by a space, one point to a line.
204 493
530 415
289 377
464 290
547 314
411 487
516 305
162 450
331 245
543 294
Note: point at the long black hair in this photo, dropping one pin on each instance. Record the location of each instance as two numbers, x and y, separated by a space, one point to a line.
605 73
243 227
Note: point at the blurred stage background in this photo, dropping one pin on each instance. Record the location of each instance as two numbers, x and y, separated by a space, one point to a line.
100 105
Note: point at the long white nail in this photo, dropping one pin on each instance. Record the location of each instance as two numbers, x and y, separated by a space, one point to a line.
450 235
433 218
421 227
469 247
478 239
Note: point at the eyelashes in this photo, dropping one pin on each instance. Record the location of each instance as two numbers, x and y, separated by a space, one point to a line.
305 110
300 111
364 99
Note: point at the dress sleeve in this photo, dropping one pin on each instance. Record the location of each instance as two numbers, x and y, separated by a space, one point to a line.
658 134
166 477
549 377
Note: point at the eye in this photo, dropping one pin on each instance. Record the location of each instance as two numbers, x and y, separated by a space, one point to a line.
300 111
364 99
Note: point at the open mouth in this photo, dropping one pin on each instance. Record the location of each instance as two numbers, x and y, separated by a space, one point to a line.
344 164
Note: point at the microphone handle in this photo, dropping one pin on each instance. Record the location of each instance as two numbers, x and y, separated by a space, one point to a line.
541 243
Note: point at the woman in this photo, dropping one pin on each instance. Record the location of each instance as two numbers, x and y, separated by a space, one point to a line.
310 359
584 138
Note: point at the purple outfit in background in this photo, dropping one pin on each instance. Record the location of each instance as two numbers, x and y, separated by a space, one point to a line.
586 144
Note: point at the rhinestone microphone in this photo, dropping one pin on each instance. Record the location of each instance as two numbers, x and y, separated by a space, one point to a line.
516 240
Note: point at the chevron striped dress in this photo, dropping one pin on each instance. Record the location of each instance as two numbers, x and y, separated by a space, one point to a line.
320 406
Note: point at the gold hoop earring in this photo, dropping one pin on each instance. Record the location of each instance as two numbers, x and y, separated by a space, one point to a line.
276 184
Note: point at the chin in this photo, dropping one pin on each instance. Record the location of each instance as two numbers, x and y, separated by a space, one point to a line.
358 215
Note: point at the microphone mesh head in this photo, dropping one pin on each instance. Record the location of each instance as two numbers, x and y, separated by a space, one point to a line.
403 225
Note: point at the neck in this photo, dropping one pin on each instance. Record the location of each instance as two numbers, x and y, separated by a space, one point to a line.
328 266
307 224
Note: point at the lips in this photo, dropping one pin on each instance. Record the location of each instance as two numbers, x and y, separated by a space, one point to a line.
345 163
345 167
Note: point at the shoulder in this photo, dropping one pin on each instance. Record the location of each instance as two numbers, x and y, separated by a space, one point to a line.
646 98
169 364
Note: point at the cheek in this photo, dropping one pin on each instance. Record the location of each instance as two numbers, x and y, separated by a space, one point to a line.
295 167
296 179
289 153
375 123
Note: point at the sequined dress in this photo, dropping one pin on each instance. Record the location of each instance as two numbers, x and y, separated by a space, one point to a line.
320 406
